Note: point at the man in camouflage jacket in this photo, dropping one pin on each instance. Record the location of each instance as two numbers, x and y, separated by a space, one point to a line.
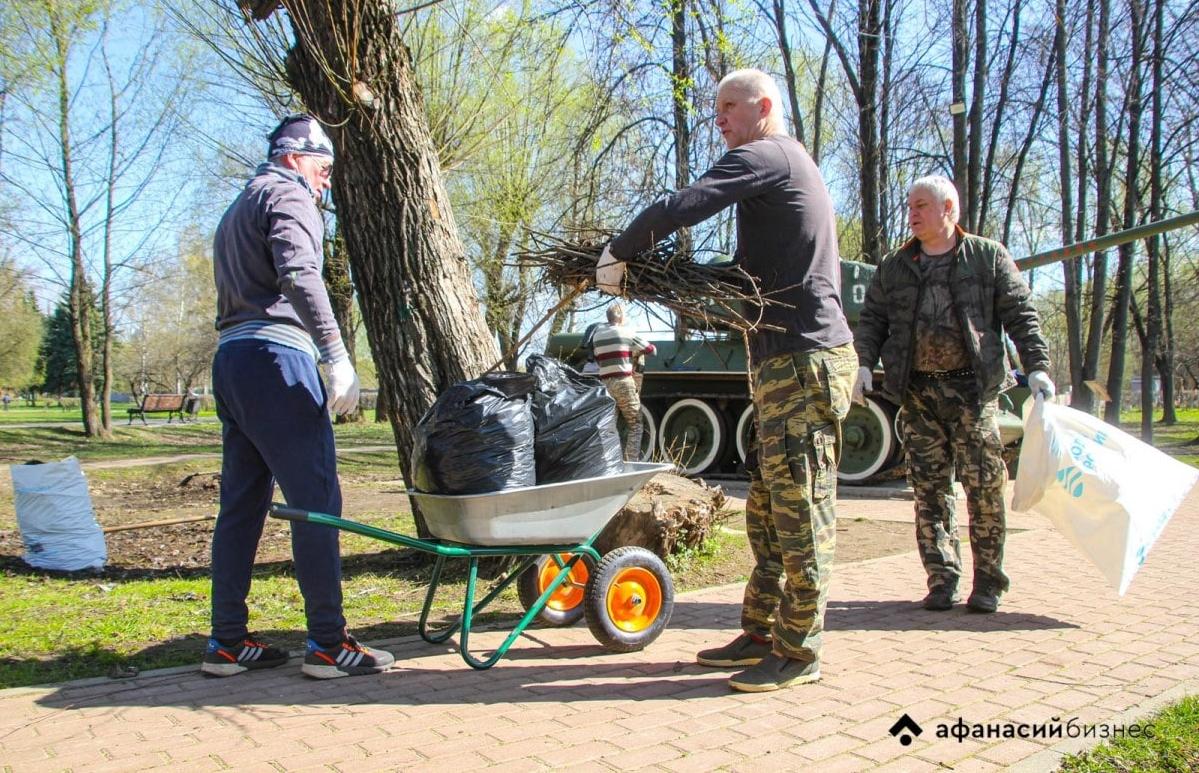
936 313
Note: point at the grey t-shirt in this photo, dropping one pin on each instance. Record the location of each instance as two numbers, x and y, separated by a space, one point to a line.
786 238
940 344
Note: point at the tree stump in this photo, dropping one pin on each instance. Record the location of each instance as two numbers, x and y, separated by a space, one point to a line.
670 514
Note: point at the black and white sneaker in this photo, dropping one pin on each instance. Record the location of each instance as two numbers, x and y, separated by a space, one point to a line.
248 654
349 658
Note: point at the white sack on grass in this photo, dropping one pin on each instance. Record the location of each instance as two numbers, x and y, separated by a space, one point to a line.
1107 491
55 516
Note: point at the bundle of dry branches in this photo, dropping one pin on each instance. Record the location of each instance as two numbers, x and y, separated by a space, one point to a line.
717 295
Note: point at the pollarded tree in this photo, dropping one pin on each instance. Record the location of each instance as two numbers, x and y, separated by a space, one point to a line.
348 62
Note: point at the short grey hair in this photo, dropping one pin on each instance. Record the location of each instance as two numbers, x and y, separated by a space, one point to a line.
757 84
615 312
941 187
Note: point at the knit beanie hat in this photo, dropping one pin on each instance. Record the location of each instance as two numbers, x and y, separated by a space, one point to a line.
300 134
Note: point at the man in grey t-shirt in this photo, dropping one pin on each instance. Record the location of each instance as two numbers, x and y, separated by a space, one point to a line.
801 372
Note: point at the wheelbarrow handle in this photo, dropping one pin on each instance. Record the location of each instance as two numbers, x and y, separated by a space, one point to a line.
288 513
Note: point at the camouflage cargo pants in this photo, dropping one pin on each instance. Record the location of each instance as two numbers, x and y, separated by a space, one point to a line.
624 391
947 431
791 519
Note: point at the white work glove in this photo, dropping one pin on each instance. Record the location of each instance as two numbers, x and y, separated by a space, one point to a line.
862 384
1039 381
609 273
343 387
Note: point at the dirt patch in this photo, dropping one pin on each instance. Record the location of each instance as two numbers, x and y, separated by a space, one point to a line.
373 497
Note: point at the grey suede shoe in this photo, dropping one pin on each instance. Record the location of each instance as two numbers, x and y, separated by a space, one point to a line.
742 651
775 672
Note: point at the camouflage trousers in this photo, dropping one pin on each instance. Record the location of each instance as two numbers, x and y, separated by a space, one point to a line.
624 391
791 519
948 433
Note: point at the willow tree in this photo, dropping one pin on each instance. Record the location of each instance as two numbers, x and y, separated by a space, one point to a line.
350 66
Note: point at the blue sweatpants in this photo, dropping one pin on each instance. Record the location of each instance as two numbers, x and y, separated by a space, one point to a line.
275 427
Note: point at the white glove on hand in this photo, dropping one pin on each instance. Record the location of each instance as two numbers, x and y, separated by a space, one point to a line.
862 384
1039 381
609 273
343 387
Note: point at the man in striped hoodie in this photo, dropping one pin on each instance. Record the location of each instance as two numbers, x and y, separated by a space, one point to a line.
615 346
275 324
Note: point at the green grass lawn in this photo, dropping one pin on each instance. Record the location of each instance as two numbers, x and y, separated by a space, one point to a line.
1173 747
20 413
1178 440
20 444
54 628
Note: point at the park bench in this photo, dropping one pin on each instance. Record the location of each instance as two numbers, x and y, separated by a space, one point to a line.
171 405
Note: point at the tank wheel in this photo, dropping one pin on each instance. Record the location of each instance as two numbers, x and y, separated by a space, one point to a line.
868 442
629 599
745 427
692 435
565 607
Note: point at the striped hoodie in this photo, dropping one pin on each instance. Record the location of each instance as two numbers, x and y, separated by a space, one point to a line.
615 347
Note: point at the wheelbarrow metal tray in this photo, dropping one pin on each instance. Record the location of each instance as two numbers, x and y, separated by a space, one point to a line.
555 513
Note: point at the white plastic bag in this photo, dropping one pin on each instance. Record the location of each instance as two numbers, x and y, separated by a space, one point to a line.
55 516
1108 492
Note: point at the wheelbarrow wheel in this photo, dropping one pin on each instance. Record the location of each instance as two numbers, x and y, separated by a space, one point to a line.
565 607
629 599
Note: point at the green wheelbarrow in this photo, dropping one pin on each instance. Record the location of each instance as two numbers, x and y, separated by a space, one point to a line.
626 595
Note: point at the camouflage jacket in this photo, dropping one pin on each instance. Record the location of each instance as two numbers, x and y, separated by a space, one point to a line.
989 296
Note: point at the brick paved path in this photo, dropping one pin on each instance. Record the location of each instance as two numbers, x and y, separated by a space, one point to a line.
1063 645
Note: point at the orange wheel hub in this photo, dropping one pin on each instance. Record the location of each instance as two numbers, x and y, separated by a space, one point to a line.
634 599
570 593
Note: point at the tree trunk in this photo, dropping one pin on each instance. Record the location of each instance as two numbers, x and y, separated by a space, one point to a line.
867 96
1115 373
1103 194
984 198
1153 312
1070 268
1166 363
863 81
1080 395
1026 147
975 141
780 29
382 412
680 104
106 321
883 100
336 273
960 61
423 320
818 109
80 295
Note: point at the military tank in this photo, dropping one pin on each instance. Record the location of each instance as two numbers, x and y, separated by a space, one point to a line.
695 404
696 409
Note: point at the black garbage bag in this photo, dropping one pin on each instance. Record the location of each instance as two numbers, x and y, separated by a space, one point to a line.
575 419
477 437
